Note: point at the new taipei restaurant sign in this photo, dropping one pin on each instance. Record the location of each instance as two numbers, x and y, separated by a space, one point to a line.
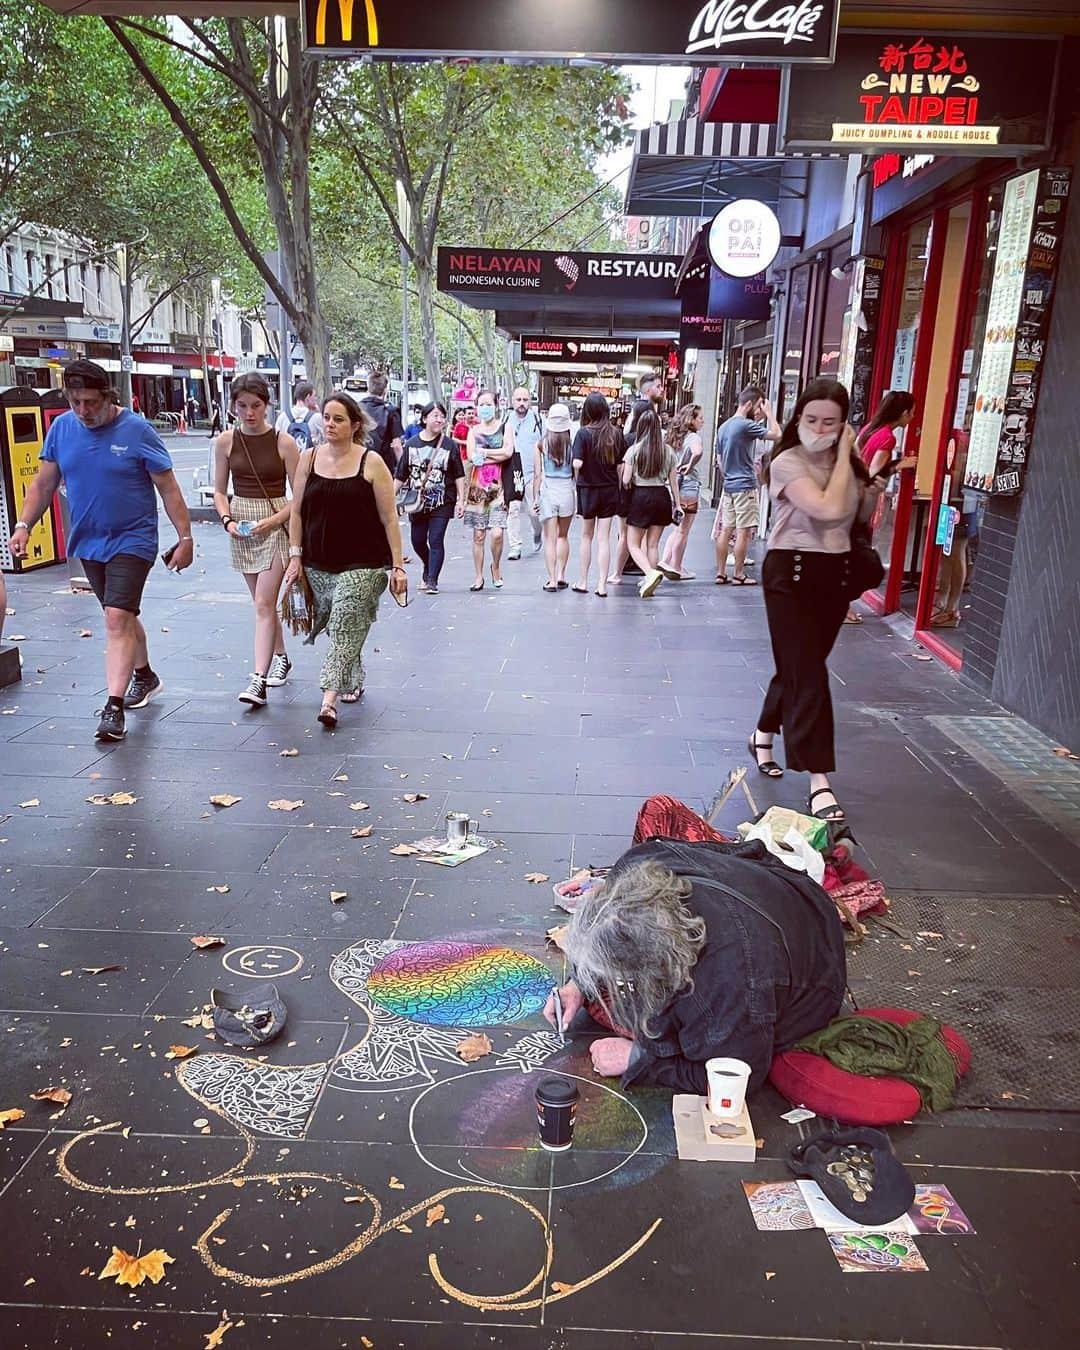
678 32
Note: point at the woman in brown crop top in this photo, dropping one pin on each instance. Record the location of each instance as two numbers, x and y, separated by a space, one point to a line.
257 459
344 536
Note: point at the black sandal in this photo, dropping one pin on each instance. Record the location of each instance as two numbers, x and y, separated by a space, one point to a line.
830 814
328 716
770 768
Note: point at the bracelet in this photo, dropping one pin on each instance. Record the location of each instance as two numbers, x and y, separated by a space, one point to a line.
226 521
295 551
396 568
186 538
20 525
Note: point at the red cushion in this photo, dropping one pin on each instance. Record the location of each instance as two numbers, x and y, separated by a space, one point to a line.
810 1080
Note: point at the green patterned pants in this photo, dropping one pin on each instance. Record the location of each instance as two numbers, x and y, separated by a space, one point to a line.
346 605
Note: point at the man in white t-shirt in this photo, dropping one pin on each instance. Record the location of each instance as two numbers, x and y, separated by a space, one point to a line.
528 428
304 422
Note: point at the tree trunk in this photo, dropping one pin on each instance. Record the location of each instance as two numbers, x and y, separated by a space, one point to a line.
425 288
487 332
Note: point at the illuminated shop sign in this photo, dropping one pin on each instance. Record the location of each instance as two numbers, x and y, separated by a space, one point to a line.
774 32
578 351
937 94
744 238
501 271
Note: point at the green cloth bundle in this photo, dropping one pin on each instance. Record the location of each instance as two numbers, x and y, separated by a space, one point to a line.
915 1052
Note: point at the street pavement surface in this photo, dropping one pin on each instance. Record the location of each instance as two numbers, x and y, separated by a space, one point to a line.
355 1183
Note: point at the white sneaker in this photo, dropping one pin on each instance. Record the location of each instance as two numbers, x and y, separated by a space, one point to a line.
649 584
279 670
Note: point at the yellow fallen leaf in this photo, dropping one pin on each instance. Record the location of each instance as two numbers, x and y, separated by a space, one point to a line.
84 632
341 778
367 1343
132 1270
180 1051
536 877
221 890
338 896
214 1338
358 806
1063 752
435 1215
32 801
58 1095
770 1275
112 799
415 797
283 804
288 754
403 850
396 1185
558 1287
557 935
204 940
129 1222
363 832
225 799
10 1116
474 1047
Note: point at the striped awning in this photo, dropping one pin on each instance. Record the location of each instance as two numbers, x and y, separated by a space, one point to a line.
693 168
709 140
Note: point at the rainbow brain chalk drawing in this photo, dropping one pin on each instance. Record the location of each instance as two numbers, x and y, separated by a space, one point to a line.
458 984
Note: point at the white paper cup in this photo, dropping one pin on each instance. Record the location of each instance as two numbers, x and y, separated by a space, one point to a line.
728 1079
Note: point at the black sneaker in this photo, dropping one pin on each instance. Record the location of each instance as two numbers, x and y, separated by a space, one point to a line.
255 693
141 690
111 727
279 670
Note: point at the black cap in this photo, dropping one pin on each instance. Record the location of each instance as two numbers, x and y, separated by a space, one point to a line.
891 1192
87 375
249 1019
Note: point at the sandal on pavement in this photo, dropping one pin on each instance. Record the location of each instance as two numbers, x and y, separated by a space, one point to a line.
602 594
328 716
581 590
550 587
477 585
852 617
833 813
562 585
721 579
496 581
743 580
768 767
354 696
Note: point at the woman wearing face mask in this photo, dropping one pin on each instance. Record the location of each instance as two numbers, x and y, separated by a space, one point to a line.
431 464
489 447
257 459
819 487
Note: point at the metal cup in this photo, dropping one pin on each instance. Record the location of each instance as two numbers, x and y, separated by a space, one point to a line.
459 827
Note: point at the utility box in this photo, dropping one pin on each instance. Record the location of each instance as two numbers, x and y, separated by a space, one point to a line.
22 434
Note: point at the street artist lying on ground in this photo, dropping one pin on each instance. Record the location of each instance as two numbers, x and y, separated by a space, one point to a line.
695 947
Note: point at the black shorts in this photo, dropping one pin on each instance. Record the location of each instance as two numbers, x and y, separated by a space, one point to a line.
649 506
599 503
118 583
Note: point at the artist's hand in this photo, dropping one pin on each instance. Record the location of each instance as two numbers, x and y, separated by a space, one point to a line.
183 556
571 998
611 1055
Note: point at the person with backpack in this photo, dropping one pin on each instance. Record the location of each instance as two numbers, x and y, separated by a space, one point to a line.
528 428
386 436
303 422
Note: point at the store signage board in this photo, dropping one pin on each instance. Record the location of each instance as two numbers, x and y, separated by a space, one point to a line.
704 309
744 238
638 32
934 93
898 180
578 351
505 272
1030 239
857 357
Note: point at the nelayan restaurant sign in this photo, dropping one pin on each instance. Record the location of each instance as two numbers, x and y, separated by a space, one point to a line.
944 95
503 271
679 32
578 351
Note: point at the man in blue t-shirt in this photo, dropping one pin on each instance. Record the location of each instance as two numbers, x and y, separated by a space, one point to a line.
738 513
111 463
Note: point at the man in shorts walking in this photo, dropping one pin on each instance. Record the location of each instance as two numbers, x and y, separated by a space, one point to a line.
738 513
111 462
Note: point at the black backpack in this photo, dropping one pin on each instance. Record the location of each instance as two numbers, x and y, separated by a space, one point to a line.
300 430
379 437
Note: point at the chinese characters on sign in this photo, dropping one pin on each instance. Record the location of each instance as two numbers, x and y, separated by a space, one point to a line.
1017 321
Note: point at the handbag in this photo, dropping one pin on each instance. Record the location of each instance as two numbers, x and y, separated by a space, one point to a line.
865 570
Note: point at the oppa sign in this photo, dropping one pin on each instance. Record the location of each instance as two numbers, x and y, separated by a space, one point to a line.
744 238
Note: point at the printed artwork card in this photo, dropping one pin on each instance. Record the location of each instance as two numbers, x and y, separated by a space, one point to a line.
935 1211
886 1252
827 1216
777 1206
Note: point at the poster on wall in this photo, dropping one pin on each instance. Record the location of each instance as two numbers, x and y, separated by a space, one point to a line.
1017 323
857 357
937 92
704 308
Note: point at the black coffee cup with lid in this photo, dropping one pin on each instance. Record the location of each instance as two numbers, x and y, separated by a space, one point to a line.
556 1108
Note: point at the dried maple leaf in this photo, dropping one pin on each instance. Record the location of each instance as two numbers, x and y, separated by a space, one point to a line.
558 1287
10 1116
225 799
557 935
58 1095
288 754
100 970
180 1051
403 850
415 797
338 896
396 1185
283 804
536 877
367 1343
112 799
32 801
204 940
215 1337
358 806
474 1047
133 1270
363 832
435 1215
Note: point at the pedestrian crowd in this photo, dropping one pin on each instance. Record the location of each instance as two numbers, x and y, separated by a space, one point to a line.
312 503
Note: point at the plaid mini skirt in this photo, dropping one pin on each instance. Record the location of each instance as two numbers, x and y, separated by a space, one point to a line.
259 552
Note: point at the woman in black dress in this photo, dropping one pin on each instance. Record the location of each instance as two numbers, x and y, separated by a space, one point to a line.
598 451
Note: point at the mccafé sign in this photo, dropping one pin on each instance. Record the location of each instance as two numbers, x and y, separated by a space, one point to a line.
774 32
941 94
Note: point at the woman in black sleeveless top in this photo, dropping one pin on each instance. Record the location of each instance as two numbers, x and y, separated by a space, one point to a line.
344 535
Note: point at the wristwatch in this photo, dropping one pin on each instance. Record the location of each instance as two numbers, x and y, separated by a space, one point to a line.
295 551
20 525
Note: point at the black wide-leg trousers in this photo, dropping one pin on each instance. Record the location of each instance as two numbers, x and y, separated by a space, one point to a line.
805 600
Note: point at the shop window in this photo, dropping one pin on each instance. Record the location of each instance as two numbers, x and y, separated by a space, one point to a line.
791 376
837 309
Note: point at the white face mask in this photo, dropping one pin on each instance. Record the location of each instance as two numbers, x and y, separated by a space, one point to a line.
815 443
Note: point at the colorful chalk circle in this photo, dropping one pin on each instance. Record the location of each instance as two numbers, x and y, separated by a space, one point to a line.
459 984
